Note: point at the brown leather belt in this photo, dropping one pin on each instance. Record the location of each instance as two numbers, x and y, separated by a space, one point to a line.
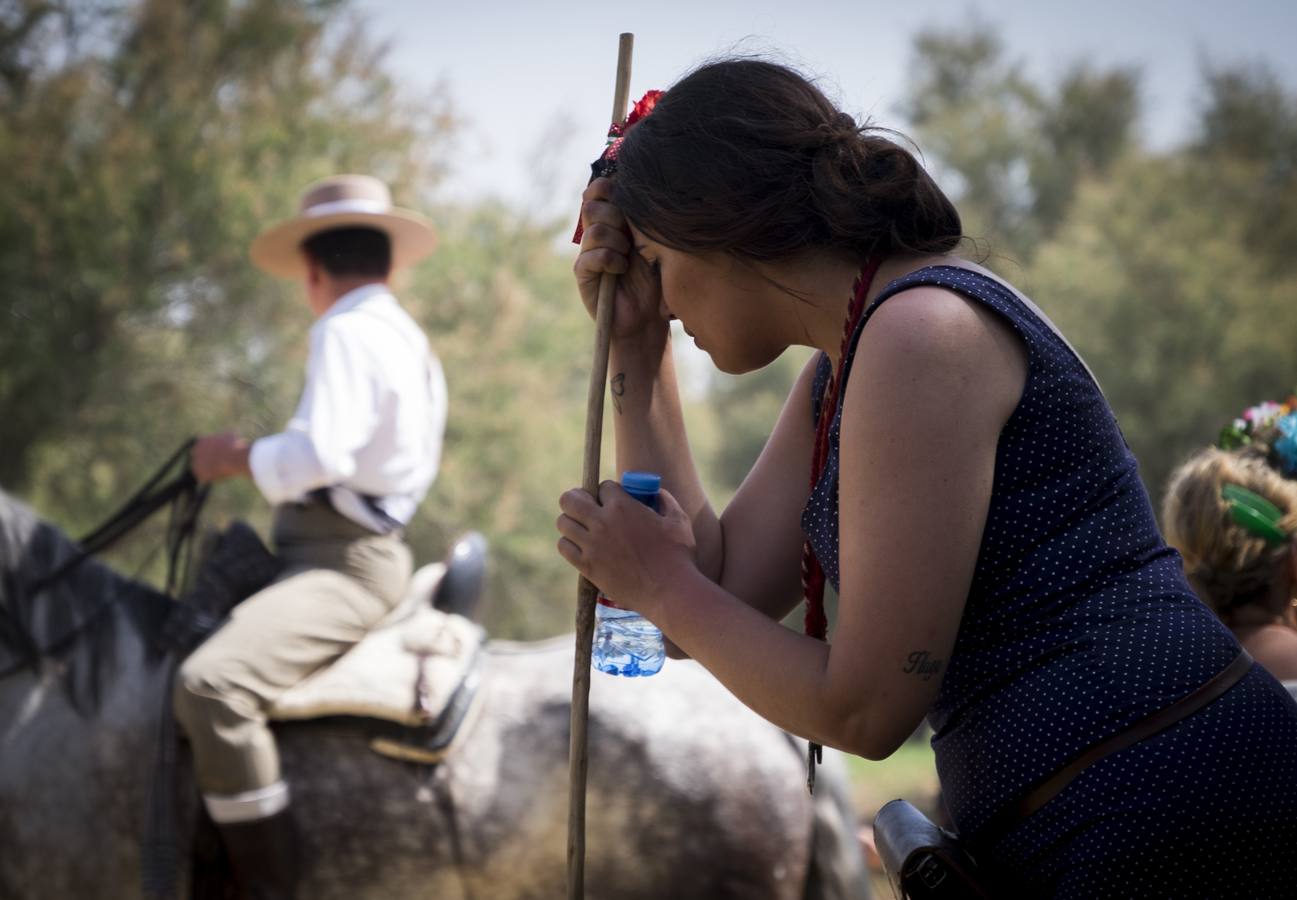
1145 728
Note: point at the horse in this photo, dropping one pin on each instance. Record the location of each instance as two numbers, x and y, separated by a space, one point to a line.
690 794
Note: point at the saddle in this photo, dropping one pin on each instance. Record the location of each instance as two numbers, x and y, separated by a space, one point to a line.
411 682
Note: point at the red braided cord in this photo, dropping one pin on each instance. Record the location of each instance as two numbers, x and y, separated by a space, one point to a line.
817 624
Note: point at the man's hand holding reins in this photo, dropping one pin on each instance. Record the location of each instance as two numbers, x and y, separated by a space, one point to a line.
215 457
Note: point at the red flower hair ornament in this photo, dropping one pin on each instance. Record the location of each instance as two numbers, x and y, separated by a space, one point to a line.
606 164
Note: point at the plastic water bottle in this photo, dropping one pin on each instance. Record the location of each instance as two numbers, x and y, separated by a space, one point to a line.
626 643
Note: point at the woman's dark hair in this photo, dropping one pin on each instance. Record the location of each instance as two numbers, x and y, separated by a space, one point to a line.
343 252
748 157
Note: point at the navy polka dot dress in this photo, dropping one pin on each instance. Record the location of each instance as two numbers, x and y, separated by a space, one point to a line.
1078 623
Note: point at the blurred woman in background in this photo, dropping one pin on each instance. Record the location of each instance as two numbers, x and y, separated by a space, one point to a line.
1232 514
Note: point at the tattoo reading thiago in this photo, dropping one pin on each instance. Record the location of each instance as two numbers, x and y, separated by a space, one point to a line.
618 390
922 666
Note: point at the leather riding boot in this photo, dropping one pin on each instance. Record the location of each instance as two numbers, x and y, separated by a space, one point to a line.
264 855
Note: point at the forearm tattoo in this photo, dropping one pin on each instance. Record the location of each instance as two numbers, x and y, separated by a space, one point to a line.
922 666
618 390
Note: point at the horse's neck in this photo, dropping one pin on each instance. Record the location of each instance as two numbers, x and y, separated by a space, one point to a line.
81 769
68 614
83 642
111 681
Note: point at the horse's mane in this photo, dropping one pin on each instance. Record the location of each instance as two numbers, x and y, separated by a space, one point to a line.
70 619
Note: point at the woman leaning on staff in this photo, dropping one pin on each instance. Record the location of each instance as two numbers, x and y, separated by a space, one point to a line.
995 554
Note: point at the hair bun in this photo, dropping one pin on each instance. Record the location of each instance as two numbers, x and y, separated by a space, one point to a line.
837 133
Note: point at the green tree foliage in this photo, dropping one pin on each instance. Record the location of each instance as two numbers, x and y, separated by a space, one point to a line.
148 145
970 112
144 148
1176 275
1247 153
1159 289
1008 150
1172 272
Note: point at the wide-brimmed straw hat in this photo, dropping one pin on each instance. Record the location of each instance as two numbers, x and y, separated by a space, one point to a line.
342 201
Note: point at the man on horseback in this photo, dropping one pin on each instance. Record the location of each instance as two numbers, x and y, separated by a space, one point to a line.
345 477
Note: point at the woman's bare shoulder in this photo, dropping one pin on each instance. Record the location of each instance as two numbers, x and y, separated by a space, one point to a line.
929 331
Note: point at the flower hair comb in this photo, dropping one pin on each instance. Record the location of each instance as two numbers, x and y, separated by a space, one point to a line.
606 164
1271 424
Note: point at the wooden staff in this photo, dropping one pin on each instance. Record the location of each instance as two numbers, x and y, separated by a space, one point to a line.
578 758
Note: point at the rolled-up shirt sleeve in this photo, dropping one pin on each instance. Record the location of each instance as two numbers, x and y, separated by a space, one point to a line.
335 417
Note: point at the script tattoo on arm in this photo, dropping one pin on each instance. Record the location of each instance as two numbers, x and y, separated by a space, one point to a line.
618 390
921 665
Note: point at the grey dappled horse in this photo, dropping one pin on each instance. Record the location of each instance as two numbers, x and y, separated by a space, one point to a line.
690 794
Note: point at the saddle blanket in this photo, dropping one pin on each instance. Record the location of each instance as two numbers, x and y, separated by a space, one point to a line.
406 670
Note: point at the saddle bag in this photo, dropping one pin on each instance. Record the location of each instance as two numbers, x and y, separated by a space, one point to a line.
923 860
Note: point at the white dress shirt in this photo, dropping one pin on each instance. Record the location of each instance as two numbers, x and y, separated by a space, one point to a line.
370 422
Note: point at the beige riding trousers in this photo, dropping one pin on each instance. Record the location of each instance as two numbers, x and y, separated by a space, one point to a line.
339 579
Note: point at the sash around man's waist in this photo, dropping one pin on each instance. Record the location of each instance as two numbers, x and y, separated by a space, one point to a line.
380 515
314 518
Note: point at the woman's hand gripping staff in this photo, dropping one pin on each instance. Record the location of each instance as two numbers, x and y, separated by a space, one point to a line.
606 246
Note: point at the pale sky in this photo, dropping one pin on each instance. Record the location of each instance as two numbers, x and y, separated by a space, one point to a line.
533 81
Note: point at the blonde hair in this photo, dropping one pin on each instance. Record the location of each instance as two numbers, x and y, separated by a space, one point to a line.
1228 566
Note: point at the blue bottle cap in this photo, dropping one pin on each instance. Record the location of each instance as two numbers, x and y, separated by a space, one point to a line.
641 482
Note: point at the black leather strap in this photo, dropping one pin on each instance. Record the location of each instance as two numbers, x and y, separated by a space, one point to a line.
1145 728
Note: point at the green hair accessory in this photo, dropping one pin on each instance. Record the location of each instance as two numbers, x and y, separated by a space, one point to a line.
1254 513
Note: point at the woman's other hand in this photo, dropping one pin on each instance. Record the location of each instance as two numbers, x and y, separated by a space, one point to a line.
625 548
